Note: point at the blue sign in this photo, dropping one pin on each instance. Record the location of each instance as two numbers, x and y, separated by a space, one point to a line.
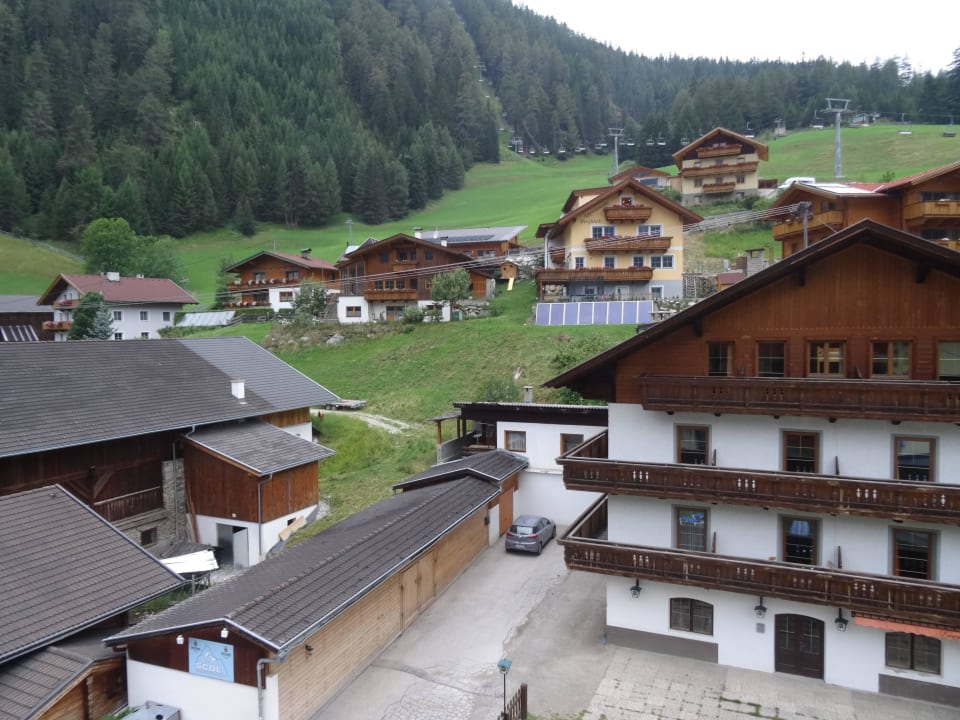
211 659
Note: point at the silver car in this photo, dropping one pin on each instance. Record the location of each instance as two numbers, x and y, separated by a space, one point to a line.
530 533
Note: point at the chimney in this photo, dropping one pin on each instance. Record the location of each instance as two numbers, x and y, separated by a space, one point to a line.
305 253
443 242
112 276
418 233
237 390
528 393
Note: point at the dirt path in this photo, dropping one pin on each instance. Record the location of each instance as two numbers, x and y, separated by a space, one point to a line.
377 421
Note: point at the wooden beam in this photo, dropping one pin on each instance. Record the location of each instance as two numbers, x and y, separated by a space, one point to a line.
922 271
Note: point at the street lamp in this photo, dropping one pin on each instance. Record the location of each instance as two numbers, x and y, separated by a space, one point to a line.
504 667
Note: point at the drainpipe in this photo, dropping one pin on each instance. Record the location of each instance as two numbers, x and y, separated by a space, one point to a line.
261 663
260 484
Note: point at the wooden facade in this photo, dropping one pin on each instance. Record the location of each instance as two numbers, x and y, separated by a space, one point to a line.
256 275
719 164
96 693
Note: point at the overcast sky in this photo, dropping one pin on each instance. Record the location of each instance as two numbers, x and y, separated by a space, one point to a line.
926 35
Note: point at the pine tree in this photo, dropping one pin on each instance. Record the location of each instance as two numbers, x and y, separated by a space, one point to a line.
91 319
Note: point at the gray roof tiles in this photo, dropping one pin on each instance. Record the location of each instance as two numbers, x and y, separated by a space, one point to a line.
73 393
259 446
64 569
287 597
494 465
29 682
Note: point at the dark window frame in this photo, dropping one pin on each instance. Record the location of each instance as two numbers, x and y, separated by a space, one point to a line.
799 440
691 615
568 441
822 358
911 559
719 359
798 548
691 536
771 358
907 651
904 470
692 442
515 440
884 358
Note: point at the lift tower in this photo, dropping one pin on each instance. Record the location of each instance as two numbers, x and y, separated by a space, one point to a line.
836 106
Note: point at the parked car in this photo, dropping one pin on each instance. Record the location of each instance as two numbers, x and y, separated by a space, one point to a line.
530 533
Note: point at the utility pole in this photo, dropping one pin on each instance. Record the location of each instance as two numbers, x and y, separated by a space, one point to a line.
615 133
837 106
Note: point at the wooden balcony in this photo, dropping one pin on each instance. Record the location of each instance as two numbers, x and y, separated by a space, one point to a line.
404 265
722 169
628 213
589 469
820 224
916 400
131 504
558 255
719 150
640 274
388 295
66 302
724 187
586 547
57 325
939 210
638 243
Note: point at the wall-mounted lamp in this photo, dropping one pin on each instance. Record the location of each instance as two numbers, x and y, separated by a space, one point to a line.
309 649
841 622
635 590
179 639
224 633
760 609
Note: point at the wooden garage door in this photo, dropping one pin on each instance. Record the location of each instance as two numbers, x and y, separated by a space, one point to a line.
417 587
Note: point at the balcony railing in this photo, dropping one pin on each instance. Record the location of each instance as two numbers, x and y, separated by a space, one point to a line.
372 295
66 302
634 213
586 547
821 224
721 169
940 209
135 503
558 255
808 397
588 469
719 150
639 243
640 274
57 325
719 187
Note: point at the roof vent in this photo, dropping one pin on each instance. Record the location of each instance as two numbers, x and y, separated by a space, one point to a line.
305 253
528 393
112 276
238 391
418 233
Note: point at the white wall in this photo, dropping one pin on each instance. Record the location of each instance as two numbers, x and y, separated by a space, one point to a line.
542 493
197 697
270 531
543 440
346 301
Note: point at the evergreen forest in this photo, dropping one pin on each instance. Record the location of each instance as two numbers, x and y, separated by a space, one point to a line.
181 116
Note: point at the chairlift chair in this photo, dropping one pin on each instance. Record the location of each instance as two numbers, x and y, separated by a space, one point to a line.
660 141
649 142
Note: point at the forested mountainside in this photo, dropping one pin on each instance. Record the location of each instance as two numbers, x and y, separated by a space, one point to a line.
181 116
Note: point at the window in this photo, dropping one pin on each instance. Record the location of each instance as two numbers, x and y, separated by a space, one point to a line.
292 275
401 284
286 296
771 359
144 336
579 263
378 284
890 359
691 615
118 336
800 540
148 537
913 652
638 261
949 357
718 358
144 315
661 261
428 254
117 315
912 554
353 311
166 316
698 182
609 262
693 444
913 458
825 358
656 292
568 441
515 440
413 284
260 276
384 257
651 230
801 452
692 529
601 231
741 179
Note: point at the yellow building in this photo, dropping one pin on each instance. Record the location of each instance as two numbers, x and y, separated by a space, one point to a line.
721 165
620 242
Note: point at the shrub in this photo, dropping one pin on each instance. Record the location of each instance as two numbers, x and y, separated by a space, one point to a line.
413 315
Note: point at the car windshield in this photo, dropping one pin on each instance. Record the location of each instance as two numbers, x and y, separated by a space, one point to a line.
521 530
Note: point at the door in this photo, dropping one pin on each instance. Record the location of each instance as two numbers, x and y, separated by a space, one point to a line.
799 646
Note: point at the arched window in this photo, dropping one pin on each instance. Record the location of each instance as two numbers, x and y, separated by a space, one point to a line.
691 615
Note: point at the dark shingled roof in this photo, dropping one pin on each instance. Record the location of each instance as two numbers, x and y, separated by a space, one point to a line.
23 304
259 446
285 598
493 465
65 569
72 393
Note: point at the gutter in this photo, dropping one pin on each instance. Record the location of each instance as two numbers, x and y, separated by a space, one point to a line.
261 664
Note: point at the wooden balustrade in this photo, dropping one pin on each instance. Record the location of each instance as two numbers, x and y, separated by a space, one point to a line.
719 150
628 213
718 187
640 243
586 548
135 503
549 275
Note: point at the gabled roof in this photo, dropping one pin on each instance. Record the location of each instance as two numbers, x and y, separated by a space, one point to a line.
637 171
798 191
760 148
298 260
493 465
259 447
603 196
472 265
919 178
286 598
869 232
471 236
72 393
122 290
66 569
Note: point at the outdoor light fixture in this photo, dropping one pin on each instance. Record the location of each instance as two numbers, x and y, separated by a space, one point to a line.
635 590
760 609
179 639
841 622
224 633
309 649
504 667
